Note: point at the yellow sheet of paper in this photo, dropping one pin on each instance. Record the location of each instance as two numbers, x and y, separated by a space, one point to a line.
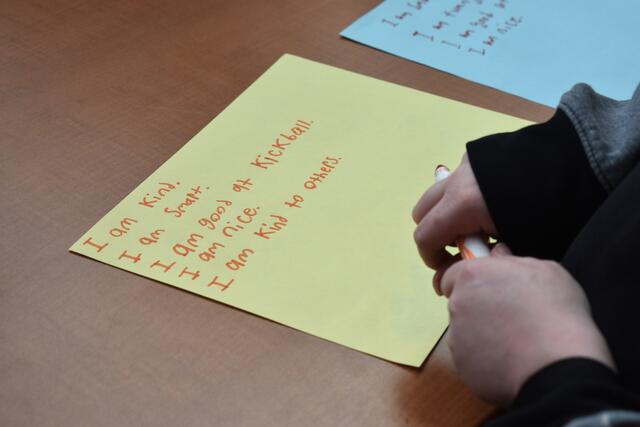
350 155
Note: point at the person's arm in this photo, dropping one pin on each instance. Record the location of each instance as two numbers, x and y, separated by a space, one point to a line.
522 335
542 183
538 186
571 392
531 180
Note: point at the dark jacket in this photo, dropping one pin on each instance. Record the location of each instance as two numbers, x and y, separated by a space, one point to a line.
569 190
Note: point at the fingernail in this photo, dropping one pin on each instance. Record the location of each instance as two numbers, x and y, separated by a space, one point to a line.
441 172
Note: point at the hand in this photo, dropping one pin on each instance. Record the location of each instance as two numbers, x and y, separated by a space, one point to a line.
449 209
510 317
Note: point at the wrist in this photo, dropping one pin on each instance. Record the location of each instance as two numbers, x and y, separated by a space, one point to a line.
560 374
579 339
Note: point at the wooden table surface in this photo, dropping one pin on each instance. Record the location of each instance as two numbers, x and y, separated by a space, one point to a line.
94 96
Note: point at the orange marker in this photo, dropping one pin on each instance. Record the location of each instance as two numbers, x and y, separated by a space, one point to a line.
470 246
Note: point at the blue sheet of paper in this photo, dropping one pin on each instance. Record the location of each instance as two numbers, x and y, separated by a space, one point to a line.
534 49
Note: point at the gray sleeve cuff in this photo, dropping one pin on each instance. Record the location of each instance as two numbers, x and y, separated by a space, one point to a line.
608 419
608 129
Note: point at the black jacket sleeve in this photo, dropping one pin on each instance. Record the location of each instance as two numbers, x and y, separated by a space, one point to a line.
565 390
541 191
538 186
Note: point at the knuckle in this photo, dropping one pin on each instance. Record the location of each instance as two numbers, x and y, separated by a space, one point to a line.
417 212
437 219
414 214
451 342
550 267
418 235
467 273
529 262
422 233
456 305
466 197
428 239
453 307
553 265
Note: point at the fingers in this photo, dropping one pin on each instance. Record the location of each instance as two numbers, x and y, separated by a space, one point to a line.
451 277
499 250
466 271
434 232
437 277
428 200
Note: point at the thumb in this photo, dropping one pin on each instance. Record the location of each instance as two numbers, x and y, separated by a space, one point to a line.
500 249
